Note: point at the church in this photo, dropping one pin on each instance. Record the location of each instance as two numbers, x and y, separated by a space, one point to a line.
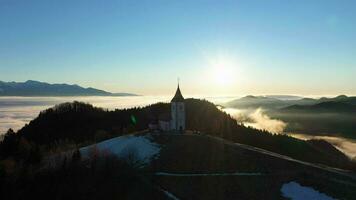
175 121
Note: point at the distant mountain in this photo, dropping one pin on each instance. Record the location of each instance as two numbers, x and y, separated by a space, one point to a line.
327 106
285 97
266 102
252 102
324 116
330 116
277 102
36 88
340 98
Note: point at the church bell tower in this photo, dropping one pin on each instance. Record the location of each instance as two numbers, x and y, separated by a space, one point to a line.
178 112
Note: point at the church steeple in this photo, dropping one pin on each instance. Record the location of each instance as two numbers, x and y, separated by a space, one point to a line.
178 97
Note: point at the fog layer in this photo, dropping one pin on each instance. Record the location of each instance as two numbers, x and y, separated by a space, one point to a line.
257 119
260 120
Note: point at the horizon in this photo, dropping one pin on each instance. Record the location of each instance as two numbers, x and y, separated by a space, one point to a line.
192 95
231 48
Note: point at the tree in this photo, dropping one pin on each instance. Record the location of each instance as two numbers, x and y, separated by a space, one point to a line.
9 144
76 156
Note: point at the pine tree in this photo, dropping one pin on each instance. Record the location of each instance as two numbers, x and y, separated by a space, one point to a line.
76 155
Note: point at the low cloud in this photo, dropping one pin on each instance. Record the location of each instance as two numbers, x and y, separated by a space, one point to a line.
346 145
260 120
264 122
257 119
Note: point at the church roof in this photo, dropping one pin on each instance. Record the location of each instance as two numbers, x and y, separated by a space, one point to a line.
178 97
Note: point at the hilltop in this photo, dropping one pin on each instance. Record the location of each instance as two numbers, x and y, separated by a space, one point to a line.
36 88
96 148
77 124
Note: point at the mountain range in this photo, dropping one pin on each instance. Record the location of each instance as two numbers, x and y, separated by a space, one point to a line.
36 88
327 106
323 116
273 102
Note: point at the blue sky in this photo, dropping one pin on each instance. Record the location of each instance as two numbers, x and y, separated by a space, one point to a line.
235 47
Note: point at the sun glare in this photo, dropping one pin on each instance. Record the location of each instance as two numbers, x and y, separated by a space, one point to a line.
223 70
223 76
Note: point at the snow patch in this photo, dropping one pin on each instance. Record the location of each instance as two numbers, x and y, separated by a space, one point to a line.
295 191
140 146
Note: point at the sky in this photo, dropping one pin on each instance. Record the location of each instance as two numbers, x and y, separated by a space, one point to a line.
304 47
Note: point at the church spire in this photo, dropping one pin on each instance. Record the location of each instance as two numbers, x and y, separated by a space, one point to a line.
178 97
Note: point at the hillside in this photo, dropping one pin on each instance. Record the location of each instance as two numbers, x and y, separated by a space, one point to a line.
75 143
340 98
203 167
324 107
329 117
172 166
198 166
77 124
36 88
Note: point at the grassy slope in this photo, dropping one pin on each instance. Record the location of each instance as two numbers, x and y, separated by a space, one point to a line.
201 154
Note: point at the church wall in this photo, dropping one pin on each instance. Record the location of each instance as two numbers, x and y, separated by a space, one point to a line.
178 115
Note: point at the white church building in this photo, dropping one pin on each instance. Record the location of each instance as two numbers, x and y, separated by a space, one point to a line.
175 122
178 112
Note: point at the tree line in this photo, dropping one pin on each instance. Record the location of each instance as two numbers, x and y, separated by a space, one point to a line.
72 125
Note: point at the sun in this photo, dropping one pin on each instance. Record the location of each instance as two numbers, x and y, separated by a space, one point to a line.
223 70
223 75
